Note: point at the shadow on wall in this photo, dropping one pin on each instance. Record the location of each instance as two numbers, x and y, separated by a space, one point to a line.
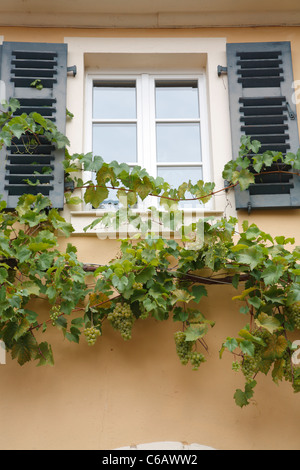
166 445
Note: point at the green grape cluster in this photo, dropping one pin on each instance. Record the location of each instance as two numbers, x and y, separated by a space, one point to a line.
196 359
55 312
236 366
183 348
144 314
137 285
291 372
122 319
91 335
185 351
249 367
293 313
262 333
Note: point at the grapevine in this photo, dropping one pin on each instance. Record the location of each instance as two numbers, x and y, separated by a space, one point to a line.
144 277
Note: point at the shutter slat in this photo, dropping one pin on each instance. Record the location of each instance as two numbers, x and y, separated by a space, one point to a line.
21 65
260 82
260 72
271 188
30 159
268 119
25 82
17 190
33 72
265 129
23 168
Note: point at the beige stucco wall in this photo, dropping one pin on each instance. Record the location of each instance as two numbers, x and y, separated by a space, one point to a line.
124 393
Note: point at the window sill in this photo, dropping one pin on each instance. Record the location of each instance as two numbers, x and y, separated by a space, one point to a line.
82 219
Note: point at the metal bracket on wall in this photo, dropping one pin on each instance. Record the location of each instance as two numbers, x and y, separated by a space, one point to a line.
69 186
72 69
226 185
221 70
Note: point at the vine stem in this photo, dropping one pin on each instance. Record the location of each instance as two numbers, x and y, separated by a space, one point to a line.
212 193
185 276
251 315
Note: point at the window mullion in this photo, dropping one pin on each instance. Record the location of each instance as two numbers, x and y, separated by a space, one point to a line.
144 122
205 144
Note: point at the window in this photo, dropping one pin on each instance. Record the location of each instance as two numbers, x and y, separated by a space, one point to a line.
146 61
158 122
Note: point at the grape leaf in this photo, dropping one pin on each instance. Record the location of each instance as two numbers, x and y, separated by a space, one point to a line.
272 274
95 196
231 344
242 398
198 293
252 257
181 295
276 347
194 332
266 321
24 349
247 347
248 336
44 354
278 370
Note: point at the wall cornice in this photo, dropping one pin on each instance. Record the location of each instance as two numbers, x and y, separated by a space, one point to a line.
152 21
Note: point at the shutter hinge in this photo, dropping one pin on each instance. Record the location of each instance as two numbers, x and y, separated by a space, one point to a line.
226 185
291 113
72 69
249 207
221 70
70 186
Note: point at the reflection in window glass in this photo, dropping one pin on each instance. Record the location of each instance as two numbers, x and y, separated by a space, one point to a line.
114 100
177 100
178 142
115 142
175 176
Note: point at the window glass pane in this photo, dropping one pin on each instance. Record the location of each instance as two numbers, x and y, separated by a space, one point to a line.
177 100
178 142
114 100
175 176
115 142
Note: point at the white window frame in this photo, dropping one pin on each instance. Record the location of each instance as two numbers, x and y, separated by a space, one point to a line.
122 52
146 121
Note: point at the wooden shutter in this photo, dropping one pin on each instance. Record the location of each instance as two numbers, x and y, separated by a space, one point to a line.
21 65
260 80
